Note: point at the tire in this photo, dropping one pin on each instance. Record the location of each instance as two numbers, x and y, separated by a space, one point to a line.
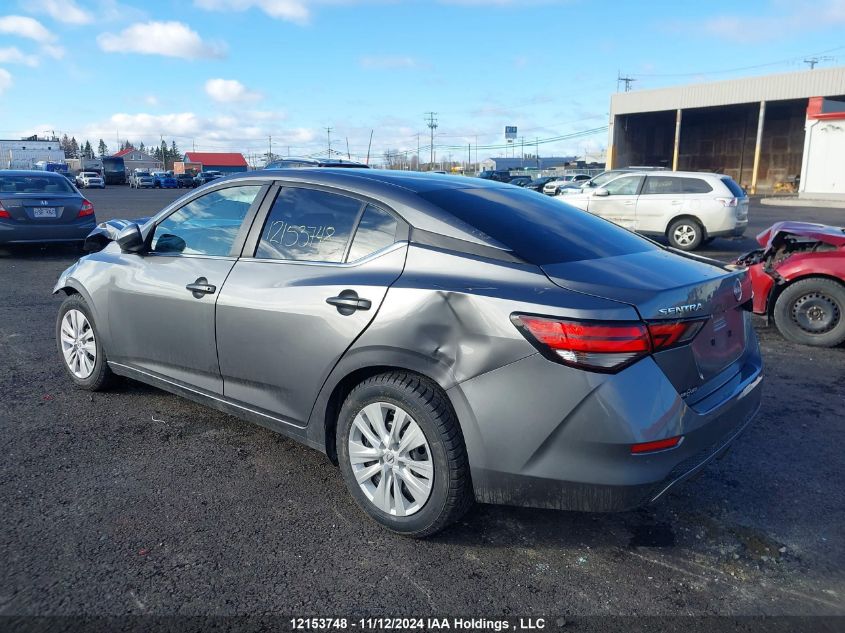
441 452
99 377
685 234
812 312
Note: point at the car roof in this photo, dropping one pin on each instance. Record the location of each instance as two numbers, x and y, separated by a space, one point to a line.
395 189
28 172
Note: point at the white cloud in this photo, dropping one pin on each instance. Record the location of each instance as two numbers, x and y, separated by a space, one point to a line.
13 55
247 129
151 100
291 10
229 91
5 80
387 62
170 39
23 26
66 11
53 50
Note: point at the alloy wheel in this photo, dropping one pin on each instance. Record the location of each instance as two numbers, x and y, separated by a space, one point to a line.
391 459
684 234
78 345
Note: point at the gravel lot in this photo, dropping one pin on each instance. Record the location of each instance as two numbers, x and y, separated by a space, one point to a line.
136 501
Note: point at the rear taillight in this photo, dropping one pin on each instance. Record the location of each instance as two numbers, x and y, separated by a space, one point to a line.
656 445
728 202
87 209
3 212
606 346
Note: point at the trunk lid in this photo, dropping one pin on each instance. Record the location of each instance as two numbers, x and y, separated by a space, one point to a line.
663 286
42 208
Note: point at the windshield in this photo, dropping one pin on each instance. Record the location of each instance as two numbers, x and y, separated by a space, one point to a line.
539 229
34 184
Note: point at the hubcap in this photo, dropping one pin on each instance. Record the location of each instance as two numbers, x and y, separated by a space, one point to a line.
816 313
684 235
391 459
78 345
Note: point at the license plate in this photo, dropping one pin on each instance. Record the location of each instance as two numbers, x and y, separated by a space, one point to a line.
44 212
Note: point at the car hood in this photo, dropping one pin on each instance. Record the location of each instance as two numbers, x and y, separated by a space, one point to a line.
819 232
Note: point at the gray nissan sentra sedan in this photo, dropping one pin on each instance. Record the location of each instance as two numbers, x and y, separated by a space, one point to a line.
442 339
42 206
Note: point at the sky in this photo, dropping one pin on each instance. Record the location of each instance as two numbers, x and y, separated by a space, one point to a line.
224 75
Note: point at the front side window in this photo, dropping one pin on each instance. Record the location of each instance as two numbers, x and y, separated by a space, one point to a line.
376 230
207 225
625 186
308 225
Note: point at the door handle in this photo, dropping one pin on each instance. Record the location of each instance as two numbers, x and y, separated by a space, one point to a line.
347 302
200 288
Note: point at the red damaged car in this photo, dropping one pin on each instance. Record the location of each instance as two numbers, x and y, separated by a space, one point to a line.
799 281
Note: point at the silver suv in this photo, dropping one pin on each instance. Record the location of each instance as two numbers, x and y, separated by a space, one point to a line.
442 339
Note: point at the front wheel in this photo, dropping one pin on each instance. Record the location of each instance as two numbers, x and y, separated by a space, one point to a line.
80 346
402 454
812 312
685 234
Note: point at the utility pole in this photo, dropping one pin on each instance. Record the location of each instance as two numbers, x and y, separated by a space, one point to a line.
329 137
431 122
418 152
626 80
812 61
537 150
270 148
369 146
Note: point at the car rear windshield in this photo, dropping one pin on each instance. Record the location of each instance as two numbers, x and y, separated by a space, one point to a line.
34 184
734 188
539 229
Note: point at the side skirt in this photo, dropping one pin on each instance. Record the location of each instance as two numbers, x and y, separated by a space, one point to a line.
298 433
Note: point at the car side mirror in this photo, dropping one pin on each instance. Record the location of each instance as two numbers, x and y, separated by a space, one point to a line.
130 239
601 191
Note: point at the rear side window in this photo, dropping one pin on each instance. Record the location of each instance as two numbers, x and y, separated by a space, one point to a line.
308 225
539 229
376 230
734 188
675 185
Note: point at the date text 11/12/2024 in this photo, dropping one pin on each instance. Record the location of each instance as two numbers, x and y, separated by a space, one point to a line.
418 624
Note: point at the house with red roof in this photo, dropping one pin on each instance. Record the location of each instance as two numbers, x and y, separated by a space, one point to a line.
225 162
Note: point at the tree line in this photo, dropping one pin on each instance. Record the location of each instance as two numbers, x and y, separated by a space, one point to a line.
167 154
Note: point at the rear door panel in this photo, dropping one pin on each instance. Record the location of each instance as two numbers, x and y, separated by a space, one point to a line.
278 339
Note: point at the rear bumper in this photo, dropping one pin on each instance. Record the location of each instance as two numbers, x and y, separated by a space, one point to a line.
19 233
544 435
736 231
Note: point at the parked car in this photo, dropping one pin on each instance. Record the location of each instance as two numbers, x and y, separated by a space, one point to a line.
141 179
87 179
538 183
296 163
553 187
520 181
164 180
595 370
205 177
687 208
500 175
799 281
39 206
185 181
605 177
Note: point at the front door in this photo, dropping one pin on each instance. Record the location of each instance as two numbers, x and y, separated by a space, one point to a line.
162 309
321 267
620 203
